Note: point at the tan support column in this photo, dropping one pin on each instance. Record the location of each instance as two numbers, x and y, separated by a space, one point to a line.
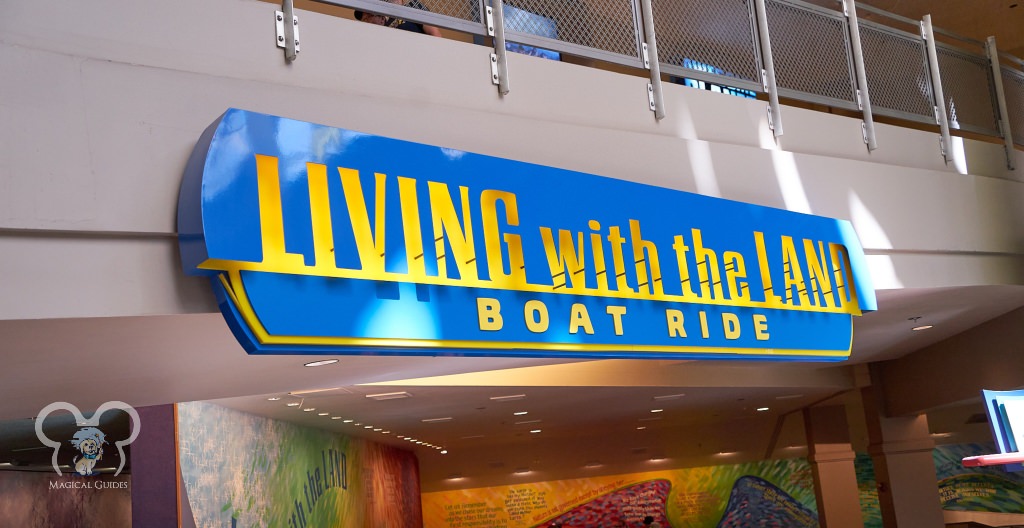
901 451
831 457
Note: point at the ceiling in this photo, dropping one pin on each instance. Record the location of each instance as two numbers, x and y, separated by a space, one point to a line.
706 407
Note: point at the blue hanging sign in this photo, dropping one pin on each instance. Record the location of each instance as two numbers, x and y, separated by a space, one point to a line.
320 240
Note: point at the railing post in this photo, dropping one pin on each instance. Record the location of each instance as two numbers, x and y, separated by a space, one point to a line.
651 60
941 118
495 21
863 96
1004 115
287 30
768 75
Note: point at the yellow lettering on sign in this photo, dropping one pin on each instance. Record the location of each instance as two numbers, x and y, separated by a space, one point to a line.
735 269
616 312
459 234
369 241
580 318
731 325
652 283
793 273
412 229
489 314
271 216
674 320
761 327
704 324
565 262
536 314
516 276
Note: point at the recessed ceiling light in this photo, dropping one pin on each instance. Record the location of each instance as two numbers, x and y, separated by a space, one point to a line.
322 414
337 418
309 409
389 396
444 451
367 427
273 398
385 432
668 397
922 327
725 453
293 404
641 428
455 476
377 429
535 431
527 422
321 362
419 443
593 464
762 409
522 471
348 421
436 420
789 397
357 423
511 397
314 391
657 458
657 410
521 413
941 435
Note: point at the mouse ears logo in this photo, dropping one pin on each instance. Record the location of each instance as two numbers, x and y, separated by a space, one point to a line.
89 440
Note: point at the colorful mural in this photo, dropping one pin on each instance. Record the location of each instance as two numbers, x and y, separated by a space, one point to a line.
779 491
989 489
978 489
245 470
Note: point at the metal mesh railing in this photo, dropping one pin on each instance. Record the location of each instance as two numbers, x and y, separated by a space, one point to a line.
698 37
462 15
462 9
717 41
967 85
604 26
1013 88
810 47
897 73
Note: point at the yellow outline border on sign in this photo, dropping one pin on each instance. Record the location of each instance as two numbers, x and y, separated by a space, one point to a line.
235 289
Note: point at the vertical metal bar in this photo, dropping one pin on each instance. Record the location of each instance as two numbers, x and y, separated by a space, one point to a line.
289 30
499 46
864 98
652 50
941 117
769 67
638 28
1004 115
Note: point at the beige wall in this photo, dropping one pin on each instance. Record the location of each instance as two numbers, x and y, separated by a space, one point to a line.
104 101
